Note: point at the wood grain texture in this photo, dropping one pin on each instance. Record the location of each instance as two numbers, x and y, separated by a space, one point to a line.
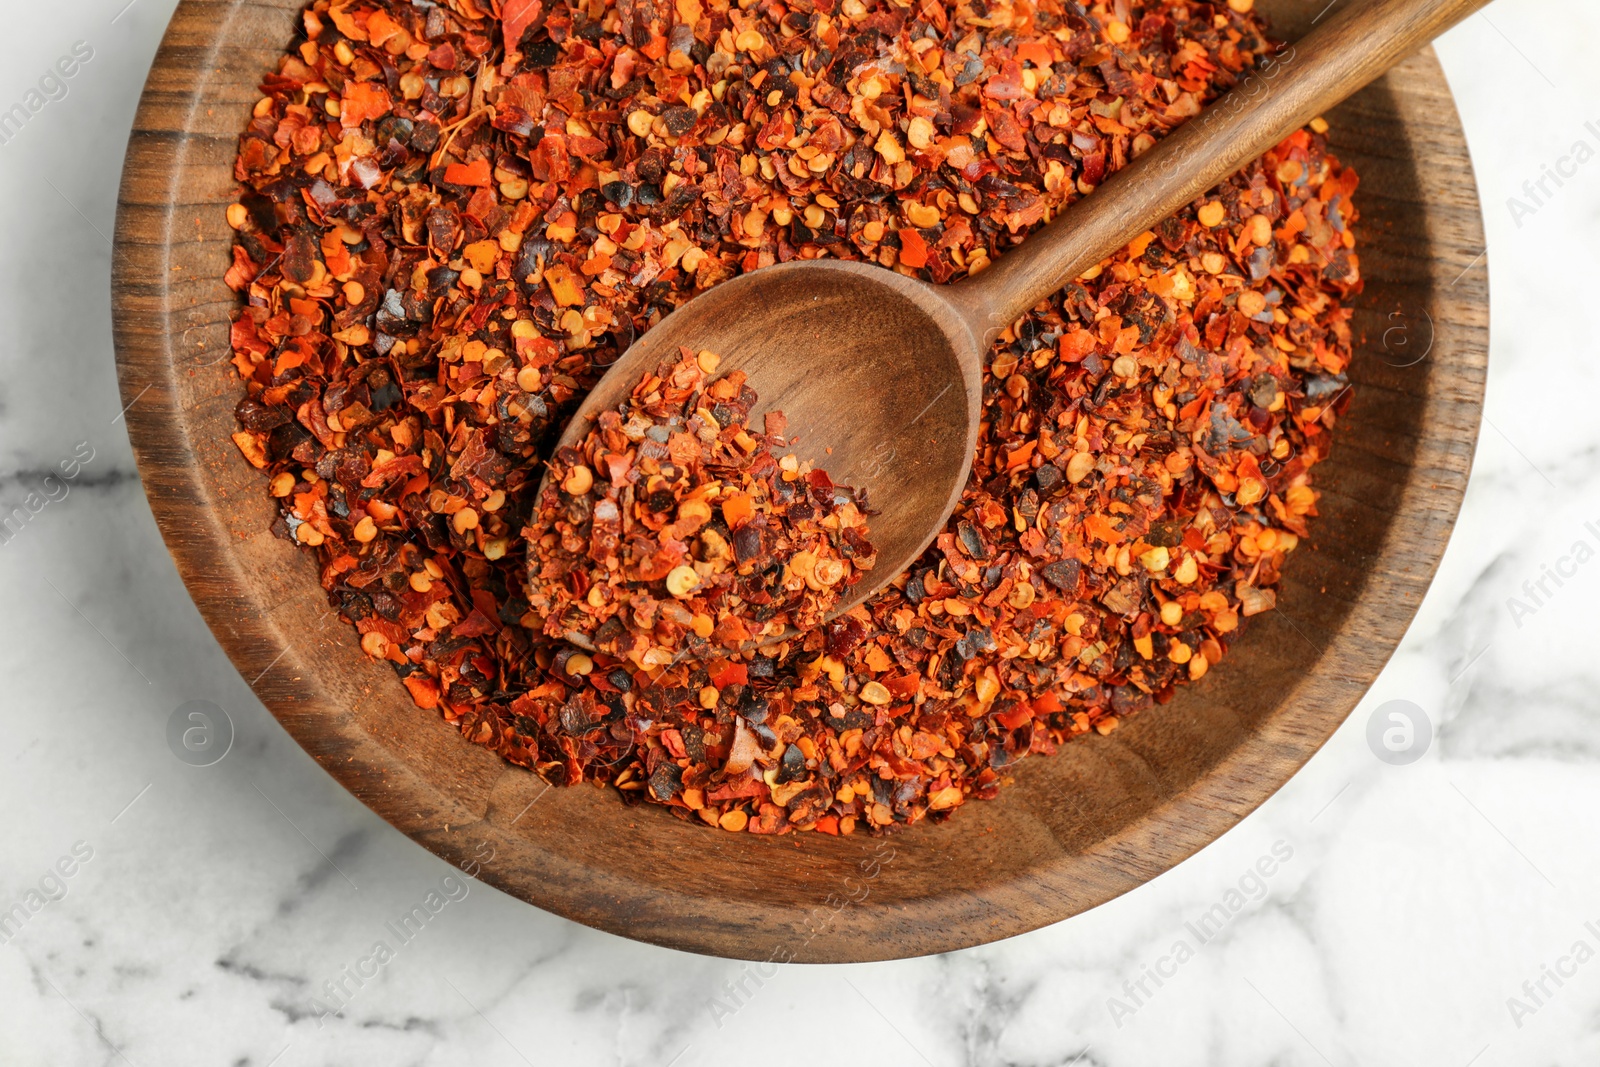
1074 830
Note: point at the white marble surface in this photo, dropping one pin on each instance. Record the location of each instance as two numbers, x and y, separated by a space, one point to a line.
216 902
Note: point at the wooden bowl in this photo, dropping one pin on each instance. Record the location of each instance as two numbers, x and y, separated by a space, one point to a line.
1074 830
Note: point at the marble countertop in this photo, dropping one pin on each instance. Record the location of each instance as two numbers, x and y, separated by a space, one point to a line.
1436 911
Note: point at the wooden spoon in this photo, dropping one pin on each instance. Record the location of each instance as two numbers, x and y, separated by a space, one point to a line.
881 375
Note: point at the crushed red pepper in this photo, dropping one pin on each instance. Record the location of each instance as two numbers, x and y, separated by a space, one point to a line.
695 536
455 216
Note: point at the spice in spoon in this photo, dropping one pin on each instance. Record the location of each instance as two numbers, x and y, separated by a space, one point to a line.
673 526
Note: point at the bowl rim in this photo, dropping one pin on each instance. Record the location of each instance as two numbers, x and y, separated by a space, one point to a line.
164 317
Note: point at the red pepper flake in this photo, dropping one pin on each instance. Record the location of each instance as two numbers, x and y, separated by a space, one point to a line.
732 674
474 173
424 690
431 283
363 102
913 249
515 18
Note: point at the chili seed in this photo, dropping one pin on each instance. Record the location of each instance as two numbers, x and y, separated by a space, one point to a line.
828 572
682 580
579 481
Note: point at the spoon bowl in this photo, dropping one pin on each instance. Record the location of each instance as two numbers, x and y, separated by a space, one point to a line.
878 375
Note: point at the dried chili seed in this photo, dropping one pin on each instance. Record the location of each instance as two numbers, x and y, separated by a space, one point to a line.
450 224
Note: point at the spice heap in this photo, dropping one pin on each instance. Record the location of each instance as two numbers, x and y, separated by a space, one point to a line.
694 535
453 219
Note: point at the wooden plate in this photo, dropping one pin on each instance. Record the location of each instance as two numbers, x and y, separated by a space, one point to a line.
1100 818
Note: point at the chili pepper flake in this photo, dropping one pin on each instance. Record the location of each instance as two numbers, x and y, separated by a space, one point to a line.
454 217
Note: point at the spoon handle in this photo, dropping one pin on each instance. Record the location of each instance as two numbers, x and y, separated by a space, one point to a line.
1354 44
